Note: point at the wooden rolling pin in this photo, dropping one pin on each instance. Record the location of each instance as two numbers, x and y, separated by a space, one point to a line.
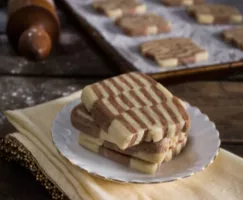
33 27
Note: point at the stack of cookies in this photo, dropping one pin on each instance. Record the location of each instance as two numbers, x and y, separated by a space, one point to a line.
133 120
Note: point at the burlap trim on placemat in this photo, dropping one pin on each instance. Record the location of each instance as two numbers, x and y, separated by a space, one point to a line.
13 150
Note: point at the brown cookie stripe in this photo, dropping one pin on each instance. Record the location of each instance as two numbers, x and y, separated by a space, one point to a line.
215 14
82 120
235 36
182 2
142 25
129 161
143 151
104 110
114 86
172 52
118 8
165 120
130 127
134 109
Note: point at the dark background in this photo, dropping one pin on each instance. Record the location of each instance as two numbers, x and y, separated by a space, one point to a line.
77 61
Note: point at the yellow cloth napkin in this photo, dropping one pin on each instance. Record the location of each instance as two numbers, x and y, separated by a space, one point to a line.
222 180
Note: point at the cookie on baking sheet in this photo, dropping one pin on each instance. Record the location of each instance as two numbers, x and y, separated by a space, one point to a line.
234 35
182 2
215 14
172 52
146 24
118 8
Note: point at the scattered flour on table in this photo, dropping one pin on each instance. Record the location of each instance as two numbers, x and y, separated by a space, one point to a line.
72 88
18 65
19 93
23 63
68 38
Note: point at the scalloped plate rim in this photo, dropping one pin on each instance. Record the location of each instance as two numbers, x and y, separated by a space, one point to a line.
132 180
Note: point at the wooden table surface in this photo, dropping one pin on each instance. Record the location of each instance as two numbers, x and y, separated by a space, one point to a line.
77 61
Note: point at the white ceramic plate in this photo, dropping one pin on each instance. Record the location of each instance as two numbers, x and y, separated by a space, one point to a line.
201 150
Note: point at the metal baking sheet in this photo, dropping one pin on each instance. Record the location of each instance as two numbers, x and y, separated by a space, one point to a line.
207 36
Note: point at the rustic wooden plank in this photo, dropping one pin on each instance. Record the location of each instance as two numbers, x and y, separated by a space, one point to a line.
221 101
236 149
17 92
74 55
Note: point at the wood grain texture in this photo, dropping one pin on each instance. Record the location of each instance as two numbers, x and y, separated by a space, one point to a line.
77 55
236 149
74 55
221 101
17 92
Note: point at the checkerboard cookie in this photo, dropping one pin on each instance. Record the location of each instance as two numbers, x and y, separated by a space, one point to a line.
176 145
114 87
118 8
235 36
132 120
148 151
131 161
173 51
215 14
181 2
142 25
131 108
